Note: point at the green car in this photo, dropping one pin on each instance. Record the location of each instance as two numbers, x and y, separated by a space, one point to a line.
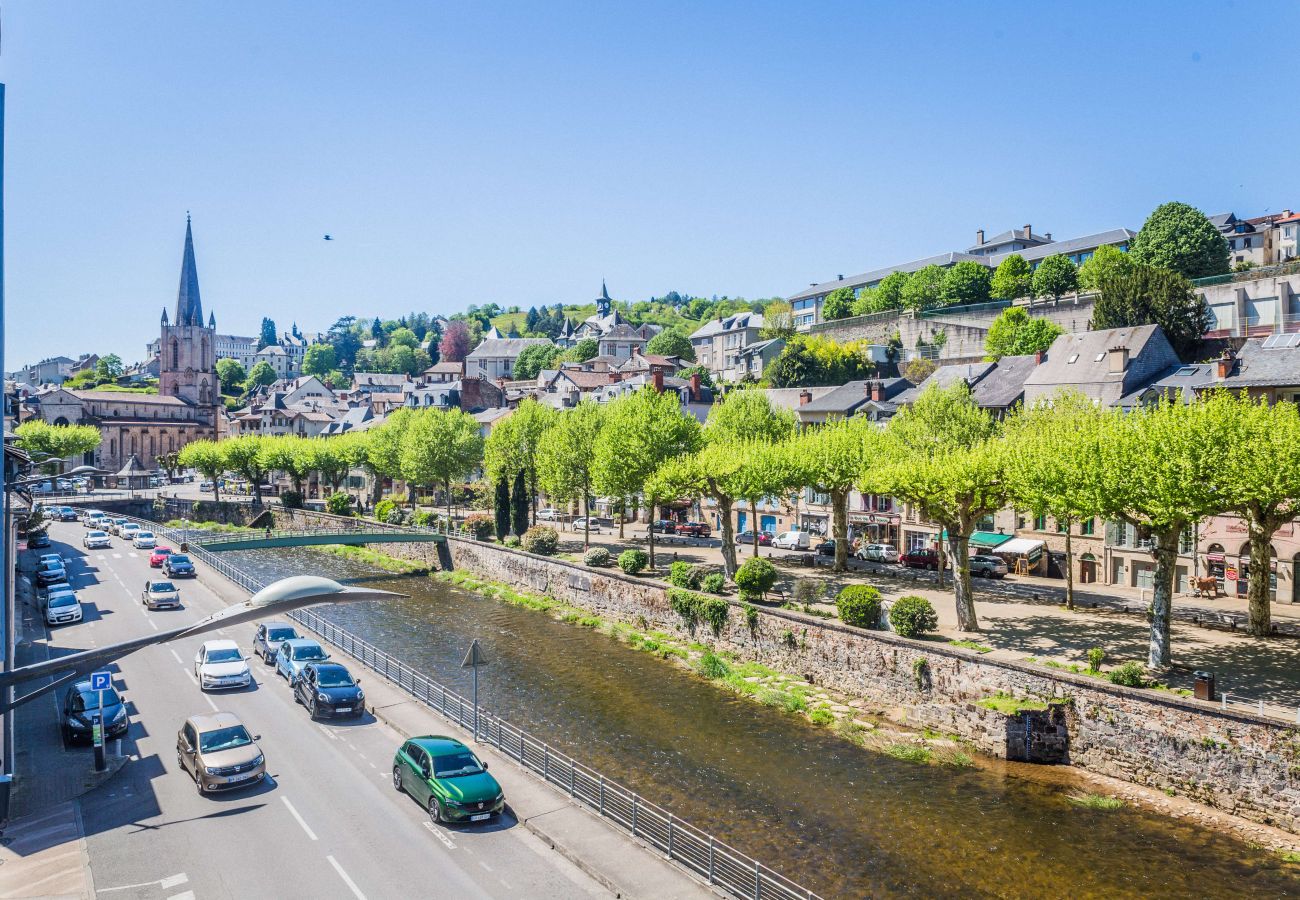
446 776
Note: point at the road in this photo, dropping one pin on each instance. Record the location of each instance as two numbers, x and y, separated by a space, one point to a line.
327 823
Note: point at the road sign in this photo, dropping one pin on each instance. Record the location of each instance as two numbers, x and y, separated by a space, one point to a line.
474 657
101 681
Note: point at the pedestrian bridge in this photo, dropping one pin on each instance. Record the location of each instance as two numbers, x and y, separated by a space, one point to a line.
261 540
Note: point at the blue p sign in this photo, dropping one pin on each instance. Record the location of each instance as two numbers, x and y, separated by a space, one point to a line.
101 681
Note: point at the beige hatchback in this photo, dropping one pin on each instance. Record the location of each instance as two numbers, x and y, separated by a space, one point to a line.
219 752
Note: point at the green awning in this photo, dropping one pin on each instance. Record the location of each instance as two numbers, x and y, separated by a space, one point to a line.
985 539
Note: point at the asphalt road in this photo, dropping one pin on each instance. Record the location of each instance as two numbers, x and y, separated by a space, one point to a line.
327 823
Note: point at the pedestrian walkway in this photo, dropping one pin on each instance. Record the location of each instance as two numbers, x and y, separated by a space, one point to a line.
44 855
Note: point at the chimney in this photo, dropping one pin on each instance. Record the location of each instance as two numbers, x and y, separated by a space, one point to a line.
658 375
695 386
805 397
877 391
1028 231
1047 235
1039 356
636 349
979 237
1223 365
613 377
1118 357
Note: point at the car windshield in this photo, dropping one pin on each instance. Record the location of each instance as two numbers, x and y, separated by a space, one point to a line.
308 651
84 700
163 551
63 600
334 678
281 634
97 534
144 534
162 587
177 558
52 565
223 654
456 764
224 739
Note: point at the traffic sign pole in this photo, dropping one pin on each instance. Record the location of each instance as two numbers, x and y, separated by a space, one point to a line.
473 659
100 682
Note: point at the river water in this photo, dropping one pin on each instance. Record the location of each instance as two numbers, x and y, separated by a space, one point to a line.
841 820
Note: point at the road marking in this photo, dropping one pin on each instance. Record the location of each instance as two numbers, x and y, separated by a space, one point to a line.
101 557
325 731
170 881
184 895
133 554
352 885
485 865
311 834
508 885
117 556
151 624
174 881
440 835
176 656
211 703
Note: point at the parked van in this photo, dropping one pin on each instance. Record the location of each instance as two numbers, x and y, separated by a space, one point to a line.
793 540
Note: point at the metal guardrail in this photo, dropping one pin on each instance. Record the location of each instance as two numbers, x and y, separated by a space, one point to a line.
720 864
236 537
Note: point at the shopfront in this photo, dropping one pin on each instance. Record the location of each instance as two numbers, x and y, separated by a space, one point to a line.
875 528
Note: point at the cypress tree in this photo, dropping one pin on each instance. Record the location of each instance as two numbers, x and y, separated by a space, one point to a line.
501 506
519 505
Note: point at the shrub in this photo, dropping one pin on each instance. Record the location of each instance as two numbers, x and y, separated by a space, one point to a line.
540 539
596 556
713 666
680 574
511 541
755 576
397 516
1130 674
293 500
912 615
383 508
696 608
751 619
859 604
425 519
338 503
821 716
807 590
714 583
633 561
1096 656
480 525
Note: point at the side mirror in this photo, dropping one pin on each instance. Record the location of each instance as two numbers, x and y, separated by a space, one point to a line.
358 681
485 766
257 737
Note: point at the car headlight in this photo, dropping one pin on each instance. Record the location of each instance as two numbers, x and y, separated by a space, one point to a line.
455 803
260 759
322 698
74 722
211 770
361 695
120 714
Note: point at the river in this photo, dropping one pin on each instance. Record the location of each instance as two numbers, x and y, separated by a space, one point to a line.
843 821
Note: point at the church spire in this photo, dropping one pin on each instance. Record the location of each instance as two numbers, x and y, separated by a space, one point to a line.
189 310
164 317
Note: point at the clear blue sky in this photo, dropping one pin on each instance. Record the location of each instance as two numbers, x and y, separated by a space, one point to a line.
518 153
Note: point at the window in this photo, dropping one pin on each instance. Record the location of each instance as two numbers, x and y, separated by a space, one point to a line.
1087 526
1187 540
1040 523
1062 526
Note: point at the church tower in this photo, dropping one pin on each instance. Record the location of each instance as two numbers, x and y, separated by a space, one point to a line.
603 302
188 355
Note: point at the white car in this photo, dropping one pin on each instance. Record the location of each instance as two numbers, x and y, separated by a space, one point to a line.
50 557
97 540
62 608
549 515
793 540
159 594
220 664
144 540
580 524
886 553
114 526
128 531
93 518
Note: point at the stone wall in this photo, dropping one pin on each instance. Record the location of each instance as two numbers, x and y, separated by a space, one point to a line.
1243 764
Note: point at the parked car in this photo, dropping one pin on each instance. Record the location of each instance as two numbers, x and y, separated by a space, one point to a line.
50 572
922 558
96 540
38 540
144 540
219 753
178 565
160 595
549 515
747 537
62 608
825 548
328 689
205 486
49 557
67 514
445 776
664 526
987 565
128 531
269 637
81 710
94 518
886 553
580 524
53 591
695 529
296 653
158 556
793 540
219 664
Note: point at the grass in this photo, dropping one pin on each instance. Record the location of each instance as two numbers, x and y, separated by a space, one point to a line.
1096 801
910 752
122 389
207 526
1289 856
971 645
1010 706
373 558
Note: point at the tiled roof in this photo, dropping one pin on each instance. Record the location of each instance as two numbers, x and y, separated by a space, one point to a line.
504 347
733 322
1260 366
1081 358
127 397
846 398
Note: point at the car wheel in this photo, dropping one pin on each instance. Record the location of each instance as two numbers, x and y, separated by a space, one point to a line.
198 780
435 811
397 780
313 710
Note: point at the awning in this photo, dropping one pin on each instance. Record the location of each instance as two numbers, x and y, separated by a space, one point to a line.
1026 547
1214 557
989 539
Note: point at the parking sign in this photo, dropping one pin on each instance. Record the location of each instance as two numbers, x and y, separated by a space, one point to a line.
101 681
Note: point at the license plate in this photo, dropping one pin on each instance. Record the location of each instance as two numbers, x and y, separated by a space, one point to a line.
343 709
480 817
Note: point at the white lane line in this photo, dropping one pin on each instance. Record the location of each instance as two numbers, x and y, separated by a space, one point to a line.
176 656
151 624
183 895
352 885
174 881
311 834
440 834
117 556
485 865
325 731
372 765
170 881
211 703
508 886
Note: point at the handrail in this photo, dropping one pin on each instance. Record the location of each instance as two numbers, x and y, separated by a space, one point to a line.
723 866
214 538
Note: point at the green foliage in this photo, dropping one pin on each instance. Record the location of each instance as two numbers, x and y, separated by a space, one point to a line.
40 439
684 575
966 282
859 605
710 665
291 499
339 504
924 289
706 377
1012 278
511 541
915 753
821 716
501 507
383 508
1055 277
1106 262
1009 705
425 519
920 672
633 561
320 360
1096 656
810 361
918 369
480 525
440 447
1148 296
641 432
887 295
261 374
108 368
1016 333
519 505
566 453
756 576
714 583
596 557
1129 674
585 349
748 415
231 374
671 342
534 359
1179 238
267 336
1096 801
838 304
912 615
542 540
696 608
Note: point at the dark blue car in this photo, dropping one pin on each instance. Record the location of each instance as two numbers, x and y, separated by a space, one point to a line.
178 565
81 711
329 690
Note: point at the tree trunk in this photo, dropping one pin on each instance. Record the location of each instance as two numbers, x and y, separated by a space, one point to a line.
257 490
377 488
942 563
1259 606
1069 568
840 528
728 537
959 549
1162 596
216 488
651 532
622 518
753 526
586 519
447 483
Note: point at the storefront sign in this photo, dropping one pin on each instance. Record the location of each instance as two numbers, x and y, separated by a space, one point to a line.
1230 573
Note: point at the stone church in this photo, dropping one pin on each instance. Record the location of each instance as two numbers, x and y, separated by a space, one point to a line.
186 407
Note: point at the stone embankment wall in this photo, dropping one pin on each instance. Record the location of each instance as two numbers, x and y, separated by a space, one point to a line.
1243 764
